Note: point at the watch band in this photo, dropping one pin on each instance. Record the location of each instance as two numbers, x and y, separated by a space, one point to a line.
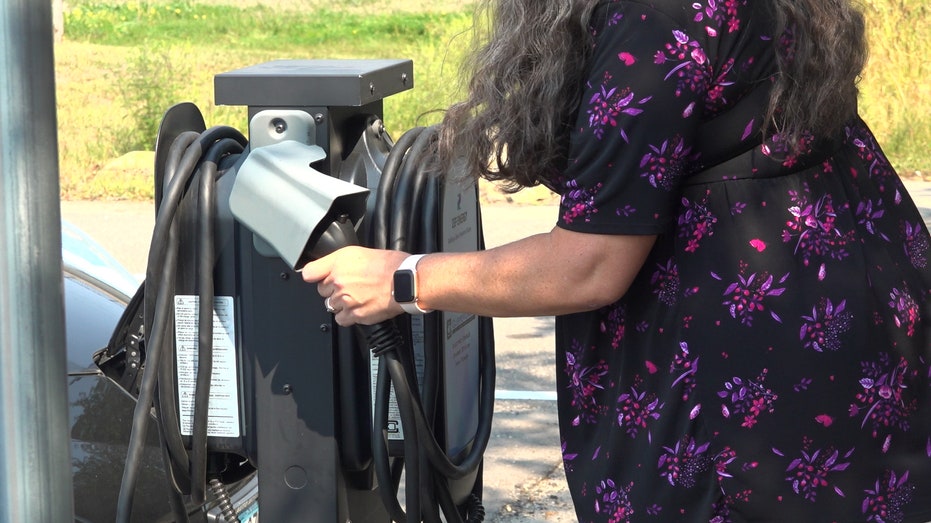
407 272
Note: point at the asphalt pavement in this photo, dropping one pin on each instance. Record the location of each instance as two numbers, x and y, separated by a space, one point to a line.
523 477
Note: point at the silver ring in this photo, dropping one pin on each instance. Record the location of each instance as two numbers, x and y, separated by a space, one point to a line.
329 308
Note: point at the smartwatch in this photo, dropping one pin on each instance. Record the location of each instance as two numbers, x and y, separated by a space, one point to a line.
405 285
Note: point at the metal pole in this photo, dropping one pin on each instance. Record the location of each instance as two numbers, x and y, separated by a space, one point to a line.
35 465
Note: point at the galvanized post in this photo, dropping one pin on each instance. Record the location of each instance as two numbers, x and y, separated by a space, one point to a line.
35 465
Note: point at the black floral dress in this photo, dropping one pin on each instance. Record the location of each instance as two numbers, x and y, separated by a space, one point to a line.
771 360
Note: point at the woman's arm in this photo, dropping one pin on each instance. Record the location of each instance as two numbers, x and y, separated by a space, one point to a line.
553 273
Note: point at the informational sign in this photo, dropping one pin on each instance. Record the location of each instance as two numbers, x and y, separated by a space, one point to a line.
461 333
223 407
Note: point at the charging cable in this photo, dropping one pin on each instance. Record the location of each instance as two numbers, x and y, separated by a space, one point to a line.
192 155
405 218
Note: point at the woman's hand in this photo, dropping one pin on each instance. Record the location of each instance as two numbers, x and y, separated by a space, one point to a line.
356 281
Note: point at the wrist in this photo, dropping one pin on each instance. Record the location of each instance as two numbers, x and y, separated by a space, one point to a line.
405 290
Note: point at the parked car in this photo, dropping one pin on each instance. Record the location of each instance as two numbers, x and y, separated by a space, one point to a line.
97 290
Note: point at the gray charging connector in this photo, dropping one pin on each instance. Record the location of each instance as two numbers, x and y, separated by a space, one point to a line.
281 198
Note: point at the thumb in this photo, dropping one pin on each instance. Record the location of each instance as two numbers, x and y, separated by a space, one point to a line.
316 270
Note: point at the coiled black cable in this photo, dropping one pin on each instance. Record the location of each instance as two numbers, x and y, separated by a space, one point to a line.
185 159
206 259
406 218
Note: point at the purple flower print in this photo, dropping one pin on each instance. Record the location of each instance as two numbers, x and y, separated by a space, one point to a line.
868 150
811 471
567 457
696 222
905 311
636 409
884 503
868 212
665 282
685 369
745 296
748 398
614 321
779 148
693 69
714 99
721 510
883 399
812 225
579 201
606 105
721 462
664 165
787 43
916 244
822 330
708 12
718 14
614 501
627 211
684 463
584 382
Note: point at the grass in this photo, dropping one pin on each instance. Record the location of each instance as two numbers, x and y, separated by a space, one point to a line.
123 63
895 95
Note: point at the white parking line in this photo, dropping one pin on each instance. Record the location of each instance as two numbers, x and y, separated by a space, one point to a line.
534 395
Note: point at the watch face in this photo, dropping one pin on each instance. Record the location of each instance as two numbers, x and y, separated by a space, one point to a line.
404 287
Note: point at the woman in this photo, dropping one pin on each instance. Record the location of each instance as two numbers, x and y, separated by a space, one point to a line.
740 279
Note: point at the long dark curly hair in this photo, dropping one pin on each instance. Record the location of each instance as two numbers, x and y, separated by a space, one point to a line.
526 80
816 89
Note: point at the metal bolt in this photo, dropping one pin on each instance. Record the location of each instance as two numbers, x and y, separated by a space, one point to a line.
279 125
284 276
324 327
286 388
318 117
404 78
372 88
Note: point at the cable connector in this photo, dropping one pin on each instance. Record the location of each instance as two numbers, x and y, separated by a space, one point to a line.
383 338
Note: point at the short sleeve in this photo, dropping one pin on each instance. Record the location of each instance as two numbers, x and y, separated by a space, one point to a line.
633 138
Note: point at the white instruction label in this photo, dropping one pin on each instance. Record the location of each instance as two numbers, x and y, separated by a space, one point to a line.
223 408
395 429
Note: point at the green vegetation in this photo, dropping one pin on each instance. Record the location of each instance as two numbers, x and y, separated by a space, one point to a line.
123 63
253 28
895 94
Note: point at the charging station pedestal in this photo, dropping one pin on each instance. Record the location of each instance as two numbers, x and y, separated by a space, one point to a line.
290 345
272 385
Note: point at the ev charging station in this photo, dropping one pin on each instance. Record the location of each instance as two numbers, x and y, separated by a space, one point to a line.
331 418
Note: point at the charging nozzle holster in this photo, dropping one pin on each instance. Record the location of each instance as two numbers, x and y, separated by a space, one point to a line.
290 206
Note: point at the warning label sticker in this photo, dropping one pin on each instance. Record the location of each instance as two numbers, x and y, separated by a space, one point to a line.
223 408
